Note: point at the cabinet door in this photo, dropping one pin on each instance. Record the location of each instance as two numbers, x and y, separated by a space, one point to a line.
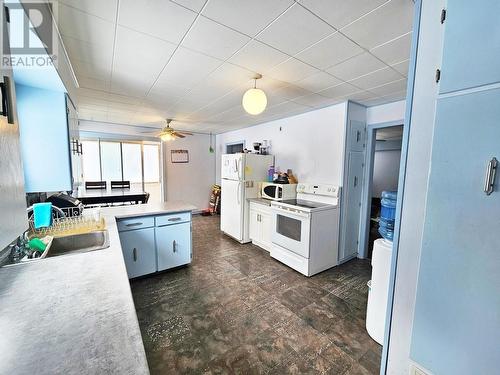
357 132
265 226
254 225
173 243
138 248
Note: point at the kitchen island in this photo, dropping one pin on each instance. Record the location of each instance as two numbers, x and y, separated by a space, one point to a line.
75 314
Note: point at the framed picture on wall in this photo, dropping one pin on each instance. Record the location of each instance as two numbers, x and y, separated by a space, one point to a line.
179 156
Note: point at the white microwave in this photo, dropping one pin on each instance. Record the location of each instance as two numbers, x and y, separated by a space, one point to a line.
278 192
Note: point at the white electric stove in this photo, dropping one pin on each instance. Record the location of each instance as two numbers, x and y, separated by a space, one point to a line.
305 230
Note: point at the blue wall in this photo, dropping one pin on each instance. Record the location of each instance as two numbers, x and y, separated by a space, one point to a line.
44 139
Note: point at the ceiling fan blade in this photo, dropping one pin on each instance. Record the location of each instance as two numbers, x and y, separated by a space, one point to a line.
185 133
178 135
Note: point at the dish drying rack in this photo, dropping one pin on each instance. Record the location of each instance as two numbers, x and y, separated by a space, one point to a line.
64 224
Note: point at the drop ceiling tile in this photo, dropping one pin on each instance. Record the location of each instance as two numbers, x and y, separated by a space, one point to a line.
292 70
91 70
313 100
339 13
91 94
339 90
230 114
132 61
356 66
258 57
187 68
318 81
394 51
103 9
402 67
229 76
249 17
295 30
215 40
194 5
162 19
222 104
85 27
390 88
92 83
386 23
329 51
376 78
165 95
124 99
95 54
289 92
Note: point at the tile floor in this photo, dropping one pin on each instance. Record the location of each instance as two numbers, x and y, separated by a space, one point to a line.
235 310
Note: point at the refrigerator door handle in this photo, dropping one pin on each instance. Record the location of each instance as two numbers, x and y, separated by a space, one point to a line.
240 172
239 193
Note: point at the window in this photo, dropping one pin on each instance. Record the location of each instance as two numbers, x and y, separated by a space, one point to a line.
123 161
91 161
111 164
233 148
151 163
132 162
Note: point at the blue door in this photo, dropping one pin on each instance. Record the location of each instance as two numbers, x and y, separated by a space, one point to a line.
139 251
471 52
457 311
173 245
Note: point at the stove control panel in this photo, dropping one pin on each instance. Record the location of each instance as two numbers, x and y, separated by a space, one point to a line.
324 189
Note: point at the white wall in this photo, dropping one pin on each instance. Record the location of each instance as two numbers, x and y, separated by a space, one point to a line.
386 112
385 171
311 144
415 187
189 182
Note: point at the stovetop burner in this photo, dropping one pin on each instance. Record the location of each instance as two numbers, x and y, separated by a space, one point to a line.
304 203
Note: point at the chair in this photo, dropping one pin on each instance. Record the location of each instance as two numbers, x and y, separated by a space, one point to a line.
120 184
95 184
145 199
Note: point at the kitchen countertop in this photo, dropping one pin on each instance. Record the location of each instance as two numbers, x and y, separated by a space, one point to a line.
75 314
263 201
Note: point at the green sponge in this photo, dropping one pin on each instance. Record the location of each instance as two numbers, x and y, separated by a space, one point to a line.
37 244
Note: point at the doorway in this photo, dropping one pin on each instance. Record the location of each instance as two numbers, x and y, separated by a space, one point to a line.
383 161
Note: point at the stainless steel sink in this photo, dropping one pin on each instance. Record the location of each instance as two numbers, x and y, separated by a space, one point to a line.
78 243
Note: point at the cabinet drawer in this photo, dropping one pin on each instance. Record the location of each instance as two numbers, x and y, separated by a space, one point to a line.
136 223
181 217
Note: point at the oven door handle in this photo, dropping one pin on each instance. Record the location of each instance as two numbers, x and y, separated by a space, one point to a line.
295 215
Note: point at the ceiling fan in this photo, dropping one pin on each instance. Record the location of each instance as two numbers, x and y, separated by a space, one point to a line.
169 134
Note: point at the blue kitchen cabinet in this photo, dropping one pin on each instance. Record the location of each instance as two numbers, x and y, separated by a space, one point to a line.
173 244
155 243
139 251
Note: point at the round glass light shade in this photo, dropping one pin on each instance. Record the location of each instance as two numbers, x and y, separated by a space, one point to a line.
254 101
166 137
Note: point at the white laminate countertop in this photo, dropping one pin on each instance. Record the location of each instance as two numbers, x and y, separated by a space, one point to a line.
74 314
263 201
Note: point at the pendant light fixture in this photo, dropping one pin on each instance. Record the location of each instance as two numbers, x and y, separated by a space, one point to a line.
254 100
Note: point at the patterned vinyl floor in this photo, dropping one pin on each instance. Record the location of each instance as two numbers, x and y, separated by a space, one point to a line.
235 310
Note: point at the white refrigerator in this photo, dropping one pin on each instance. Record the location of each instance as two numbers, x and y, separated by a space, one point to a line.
241 175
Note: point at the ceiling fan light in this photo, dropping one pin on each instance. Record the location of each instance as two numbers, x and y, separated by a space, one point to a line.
167 137
254 101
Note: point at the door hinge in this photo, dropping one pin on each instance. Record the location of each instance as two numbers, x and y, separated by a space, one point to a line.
7 14
443 16
438 75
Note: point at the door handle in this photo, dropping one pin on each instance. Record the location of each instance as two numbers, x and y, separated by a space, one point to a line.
175 219
358 135
355 181
134 254
174 245
491 172
133 224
